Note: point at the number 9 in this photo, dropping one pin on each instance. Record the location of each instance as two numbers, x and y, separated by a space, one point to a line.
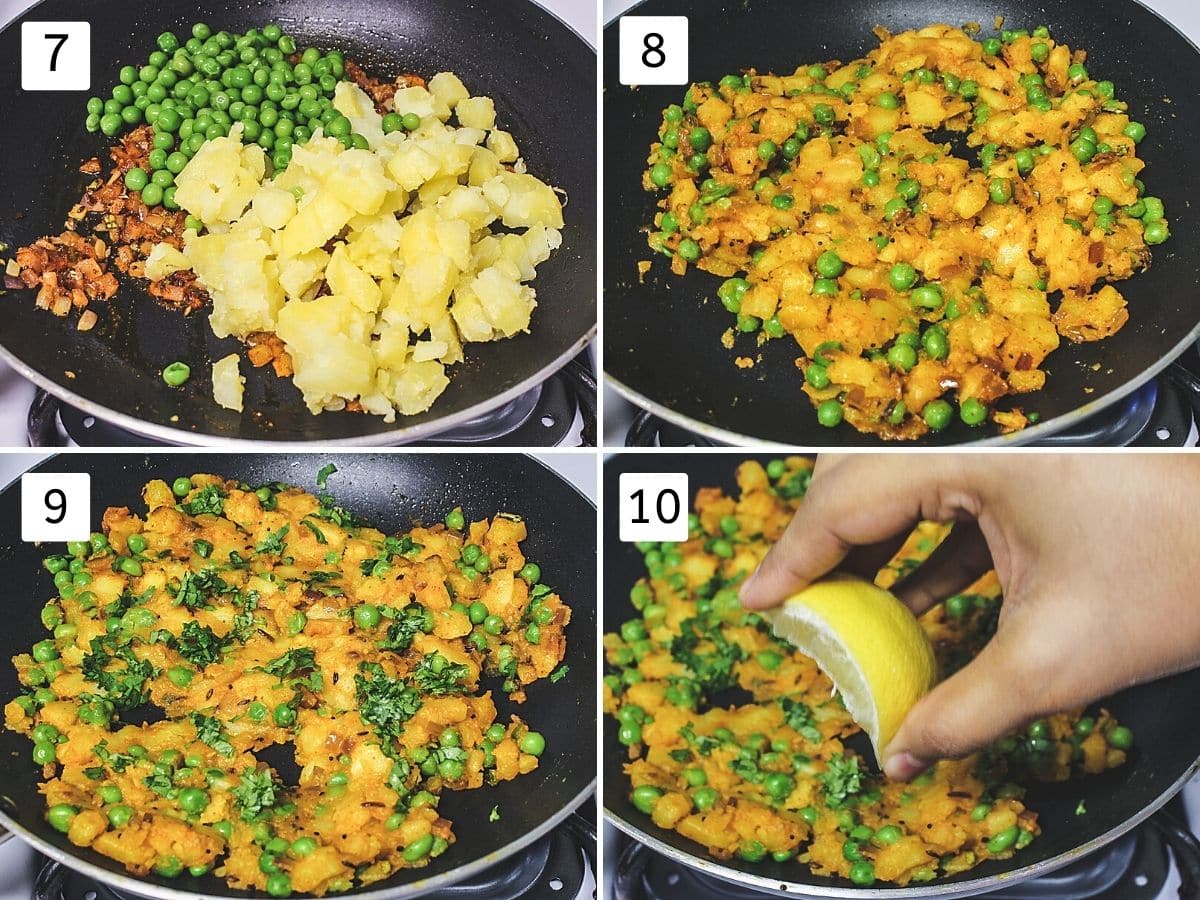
56 502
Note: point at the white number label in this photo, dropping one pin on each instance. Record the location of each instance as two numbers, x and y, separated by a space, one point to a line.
56 506
56 56
654 49
654 506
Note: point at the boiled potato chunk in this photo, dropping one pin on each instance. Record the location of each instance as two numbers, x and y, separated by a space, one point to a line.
228 383
372 266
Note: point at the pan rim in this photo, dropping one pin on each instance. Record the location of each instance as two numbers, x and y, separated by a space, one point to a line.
943 890
1025 436
201 439
412 889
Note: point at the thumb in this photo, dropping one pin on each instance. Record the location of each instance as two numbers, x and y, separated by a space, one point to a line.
977 705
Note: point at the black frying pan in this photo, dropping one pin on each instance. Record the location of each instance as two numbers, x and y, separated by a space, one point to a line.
662 337
1162 715
542 76
391 492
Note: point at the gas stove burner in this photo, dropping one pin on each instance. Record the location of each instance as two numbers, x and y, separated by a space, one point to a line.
1136 866
1161 413
542 417
554 868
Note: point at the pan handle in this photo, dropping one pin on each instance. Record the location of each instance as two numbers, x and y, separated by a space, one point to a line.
584 833
1186 850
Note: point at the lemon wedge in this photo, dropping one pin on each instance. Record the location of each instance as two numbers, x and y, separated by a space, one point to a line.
870 645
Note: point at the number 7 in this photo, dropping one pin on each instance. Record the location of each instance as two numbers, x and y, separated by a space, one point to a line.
62 39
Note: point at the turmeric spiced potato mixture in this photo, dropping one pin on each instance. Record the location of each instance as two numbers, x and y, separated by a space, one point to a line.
254 617
774 774
918 284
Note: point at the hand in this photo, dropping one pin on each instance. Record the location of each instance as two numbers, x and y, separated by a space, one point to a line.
1096 555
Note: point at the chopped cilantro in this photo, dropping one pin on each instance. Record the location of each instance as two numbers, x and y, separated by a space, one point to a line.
800 717
209 731
559 674
124 686
323 475
408 621
118 762
199 644
703 744
387 703
840 780
438 676
494 815
197 589
273 543
712 668
380 565
256 792
210 499
317 532
299 659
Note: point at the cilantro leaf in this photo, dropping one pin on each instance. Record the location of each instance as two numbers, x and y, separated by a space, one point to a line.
273 543
380 565
199 644
323 474
317 532
713 669
299 659
494 815
436 675
125 686
408 621
197 589
246 622
840 780
209 731
210 499
256 792
386 703
800 717
559 674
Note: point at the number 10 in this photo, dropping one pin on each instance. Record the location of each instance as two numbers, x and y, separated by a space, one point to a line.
639 497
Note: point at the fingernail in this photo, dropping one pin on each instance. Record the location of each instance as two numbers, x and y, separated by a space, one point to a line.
903 766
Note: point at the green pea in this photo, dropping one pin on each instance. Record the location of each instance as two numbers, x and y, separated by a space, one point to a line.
927 296
830 413
44 651
902 276
937 414
256 711
1083 150
935 342
629 733
973 412
893 207
645 797
901 356
419 848
752 851
829 264
700 138
824 114
660 175
284 715
1155 232
689 250
193 800
533 743
1120 738
60 816
279 884
136 179
1004 840
908 188
888 100
44 753
120 816
705 798
180 676
862 872
1135 131
778 785
366 616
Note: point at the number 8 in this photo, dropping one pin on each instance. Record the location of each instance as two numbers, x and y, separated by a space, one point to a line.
653 49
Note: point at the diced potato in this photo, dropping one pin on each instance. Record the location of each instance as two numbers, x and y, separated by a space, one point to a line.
476 112
448 89
396 237
502 144
228 383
